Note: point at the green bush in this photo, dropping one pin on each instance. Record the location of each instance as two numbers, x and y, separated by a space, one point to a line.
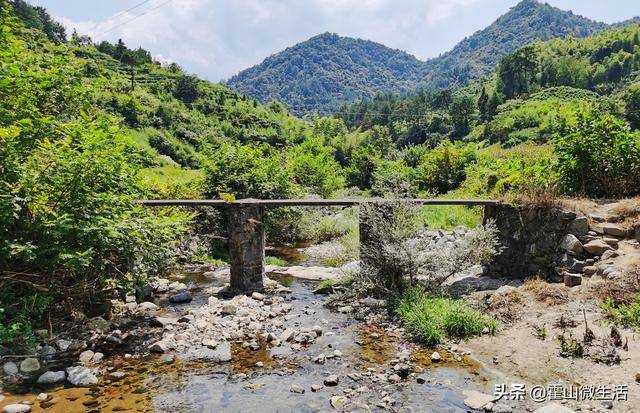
71 232
247 171
314 167
443 168
600 158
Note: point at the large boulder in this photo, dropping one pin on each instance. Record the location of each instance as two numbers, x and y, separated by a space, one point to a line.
571 243
614 229
578 227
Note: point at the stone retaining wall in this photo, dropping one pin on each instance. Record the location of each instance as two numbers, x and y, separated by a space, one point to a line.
531 237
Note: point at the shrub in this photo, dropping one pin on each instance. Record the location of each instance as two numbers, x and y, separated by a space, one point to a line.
395 253
313 166
443 168
394 179
247 171
600 158
174 149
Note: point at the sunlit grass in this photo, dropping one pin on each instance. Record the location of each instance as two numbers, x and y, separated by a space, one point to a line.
429 319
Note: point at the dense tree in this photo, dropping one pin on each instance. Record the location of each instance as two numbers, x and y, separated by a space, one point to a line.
632 100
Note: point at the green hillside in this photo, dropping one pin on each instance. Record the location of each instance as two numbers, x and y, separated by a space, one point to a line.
328 70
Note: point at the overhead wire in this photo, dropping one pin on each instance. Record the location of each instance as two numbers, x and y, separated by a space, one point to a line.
135 17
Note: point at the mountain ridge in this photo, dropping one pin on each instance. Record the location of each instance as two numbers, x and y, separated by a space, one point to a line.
307 85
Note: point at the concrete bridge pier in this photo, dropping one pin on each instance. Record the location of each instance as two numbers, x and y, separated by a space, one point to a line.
246 247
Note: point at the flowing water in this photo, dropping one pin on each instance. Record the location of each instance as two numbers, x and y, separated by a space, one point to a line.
260 381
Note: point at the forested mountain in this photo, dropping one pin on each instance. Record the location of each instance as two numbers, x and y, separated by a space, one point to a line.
533 94
327 70
477 55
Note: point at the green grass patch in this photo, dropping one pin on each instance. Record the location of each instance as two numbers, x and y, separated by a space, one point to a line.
430 318
626 314
173 181
451 216
278 262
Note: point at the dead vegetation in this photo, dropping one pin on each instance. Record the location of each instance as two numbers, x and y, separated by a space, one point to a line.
506 307
620 290
550 294
627 210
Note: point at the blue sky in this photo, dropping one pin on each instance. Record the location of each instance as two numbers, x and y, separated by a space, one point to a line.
218 38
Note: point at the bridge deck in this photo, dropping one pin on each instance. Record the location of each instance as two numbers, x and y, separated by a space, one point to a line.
312 202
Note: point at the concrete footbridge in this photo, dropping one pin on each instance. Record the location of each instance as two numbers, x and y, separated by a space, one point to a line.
246 233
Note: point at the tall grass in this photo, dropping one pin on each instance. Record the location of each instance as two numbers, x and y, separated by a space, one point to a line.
450 216
430 318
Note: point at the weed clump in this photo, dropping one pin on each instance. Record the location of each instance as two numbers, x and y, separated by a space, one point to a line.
430 318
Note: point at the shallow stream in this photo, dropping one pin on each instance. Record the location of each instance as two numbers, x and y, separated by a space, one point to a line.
235 379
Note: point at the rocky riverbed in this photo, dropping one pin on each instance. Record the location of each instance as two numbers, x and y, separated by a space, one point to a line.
191 350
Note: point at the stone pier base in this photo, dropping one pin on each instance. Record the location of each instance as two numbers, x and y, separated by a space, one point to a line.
246 248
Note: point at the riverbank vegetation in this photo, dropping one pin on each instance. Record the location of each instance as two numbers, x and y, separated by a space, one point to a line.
87 129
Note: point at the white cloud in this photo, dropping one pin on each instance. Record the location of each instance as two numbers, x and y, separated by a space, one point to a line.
218 38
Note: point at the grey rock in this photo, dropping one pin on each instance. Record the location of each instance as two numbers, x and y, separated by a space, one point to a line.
116 375
158 347
99 324
435 356
288 334
614 229
48 351
596 247
331 380
571 243
402 370
229 309
63 345
394 378
296 389
345 309
148 306
181 297
10 368
16 408
258 296
81 376
86 356
168 359
476 400
52 377
609 254
320 359
29 365
553 408
579 226
337 401
572 280
316 387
